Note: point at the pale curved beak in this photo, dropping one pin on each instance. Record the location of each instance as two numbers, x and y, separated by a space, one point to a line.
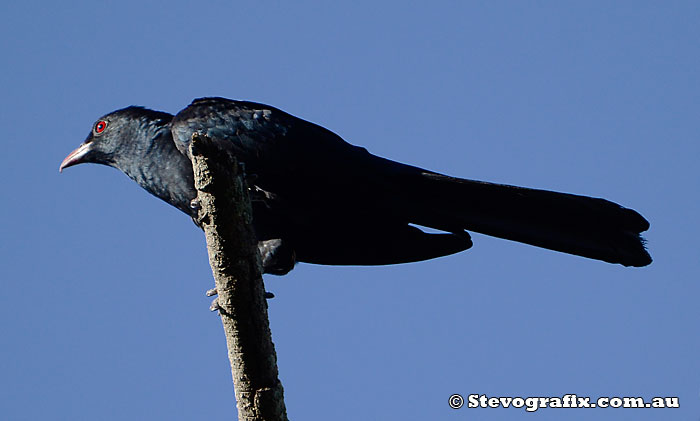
75 157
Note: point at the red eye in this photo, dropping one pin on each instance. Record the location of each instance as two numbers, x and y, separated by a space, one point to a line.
100 126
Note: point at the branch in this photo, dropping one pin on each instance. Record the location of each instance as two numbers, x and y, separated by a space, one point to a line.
226 217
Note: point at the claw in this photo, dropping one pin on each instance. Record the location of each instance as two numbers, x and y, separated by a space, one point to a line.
195 205
214 306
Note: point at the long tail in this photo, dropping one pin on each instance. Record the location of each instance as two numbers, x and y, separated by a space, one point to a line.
580 225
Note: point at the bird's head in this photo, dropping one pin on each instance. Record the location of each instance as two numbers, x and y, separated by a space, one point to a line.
119 137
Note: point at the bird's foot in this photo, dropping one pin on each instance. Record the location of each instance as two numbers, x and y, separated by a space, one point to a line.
195 205
256 193
259 195
215 306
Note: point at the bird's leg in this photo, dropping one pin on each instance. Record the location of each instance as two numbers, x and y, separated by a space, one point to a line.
258 195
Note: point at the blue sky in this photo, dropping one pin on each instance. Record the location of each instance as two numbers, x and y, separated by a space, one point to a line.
103 313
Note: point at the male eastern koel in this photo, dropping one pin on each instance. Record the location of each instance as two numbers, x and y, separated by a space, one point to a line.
329 202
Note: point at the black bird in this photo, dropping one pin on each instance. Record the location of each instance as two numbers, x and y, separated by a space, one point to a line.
329 202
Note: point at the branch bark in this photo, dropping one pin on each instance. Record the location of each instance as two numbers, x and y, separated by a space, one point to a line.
225 214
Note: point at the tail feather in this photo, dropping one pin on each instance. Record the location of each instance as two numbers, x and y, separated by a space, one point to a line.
584 226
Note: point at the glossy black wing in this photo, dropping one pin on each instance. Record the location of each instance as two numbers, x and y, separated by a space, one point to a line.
296 160
263 137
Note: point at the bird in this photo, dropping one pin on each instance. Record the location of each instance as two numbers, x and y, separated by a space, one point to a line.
329 202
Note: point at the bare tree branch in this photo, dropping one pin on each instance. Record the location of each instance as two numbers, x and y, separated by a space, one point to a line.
225 214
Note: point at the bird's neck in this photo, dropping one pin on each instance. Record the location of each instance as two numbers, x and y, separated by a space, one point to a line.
164 172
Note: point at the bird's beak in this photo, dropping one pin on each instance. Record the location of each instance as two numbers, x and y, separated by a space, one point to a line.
75 157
